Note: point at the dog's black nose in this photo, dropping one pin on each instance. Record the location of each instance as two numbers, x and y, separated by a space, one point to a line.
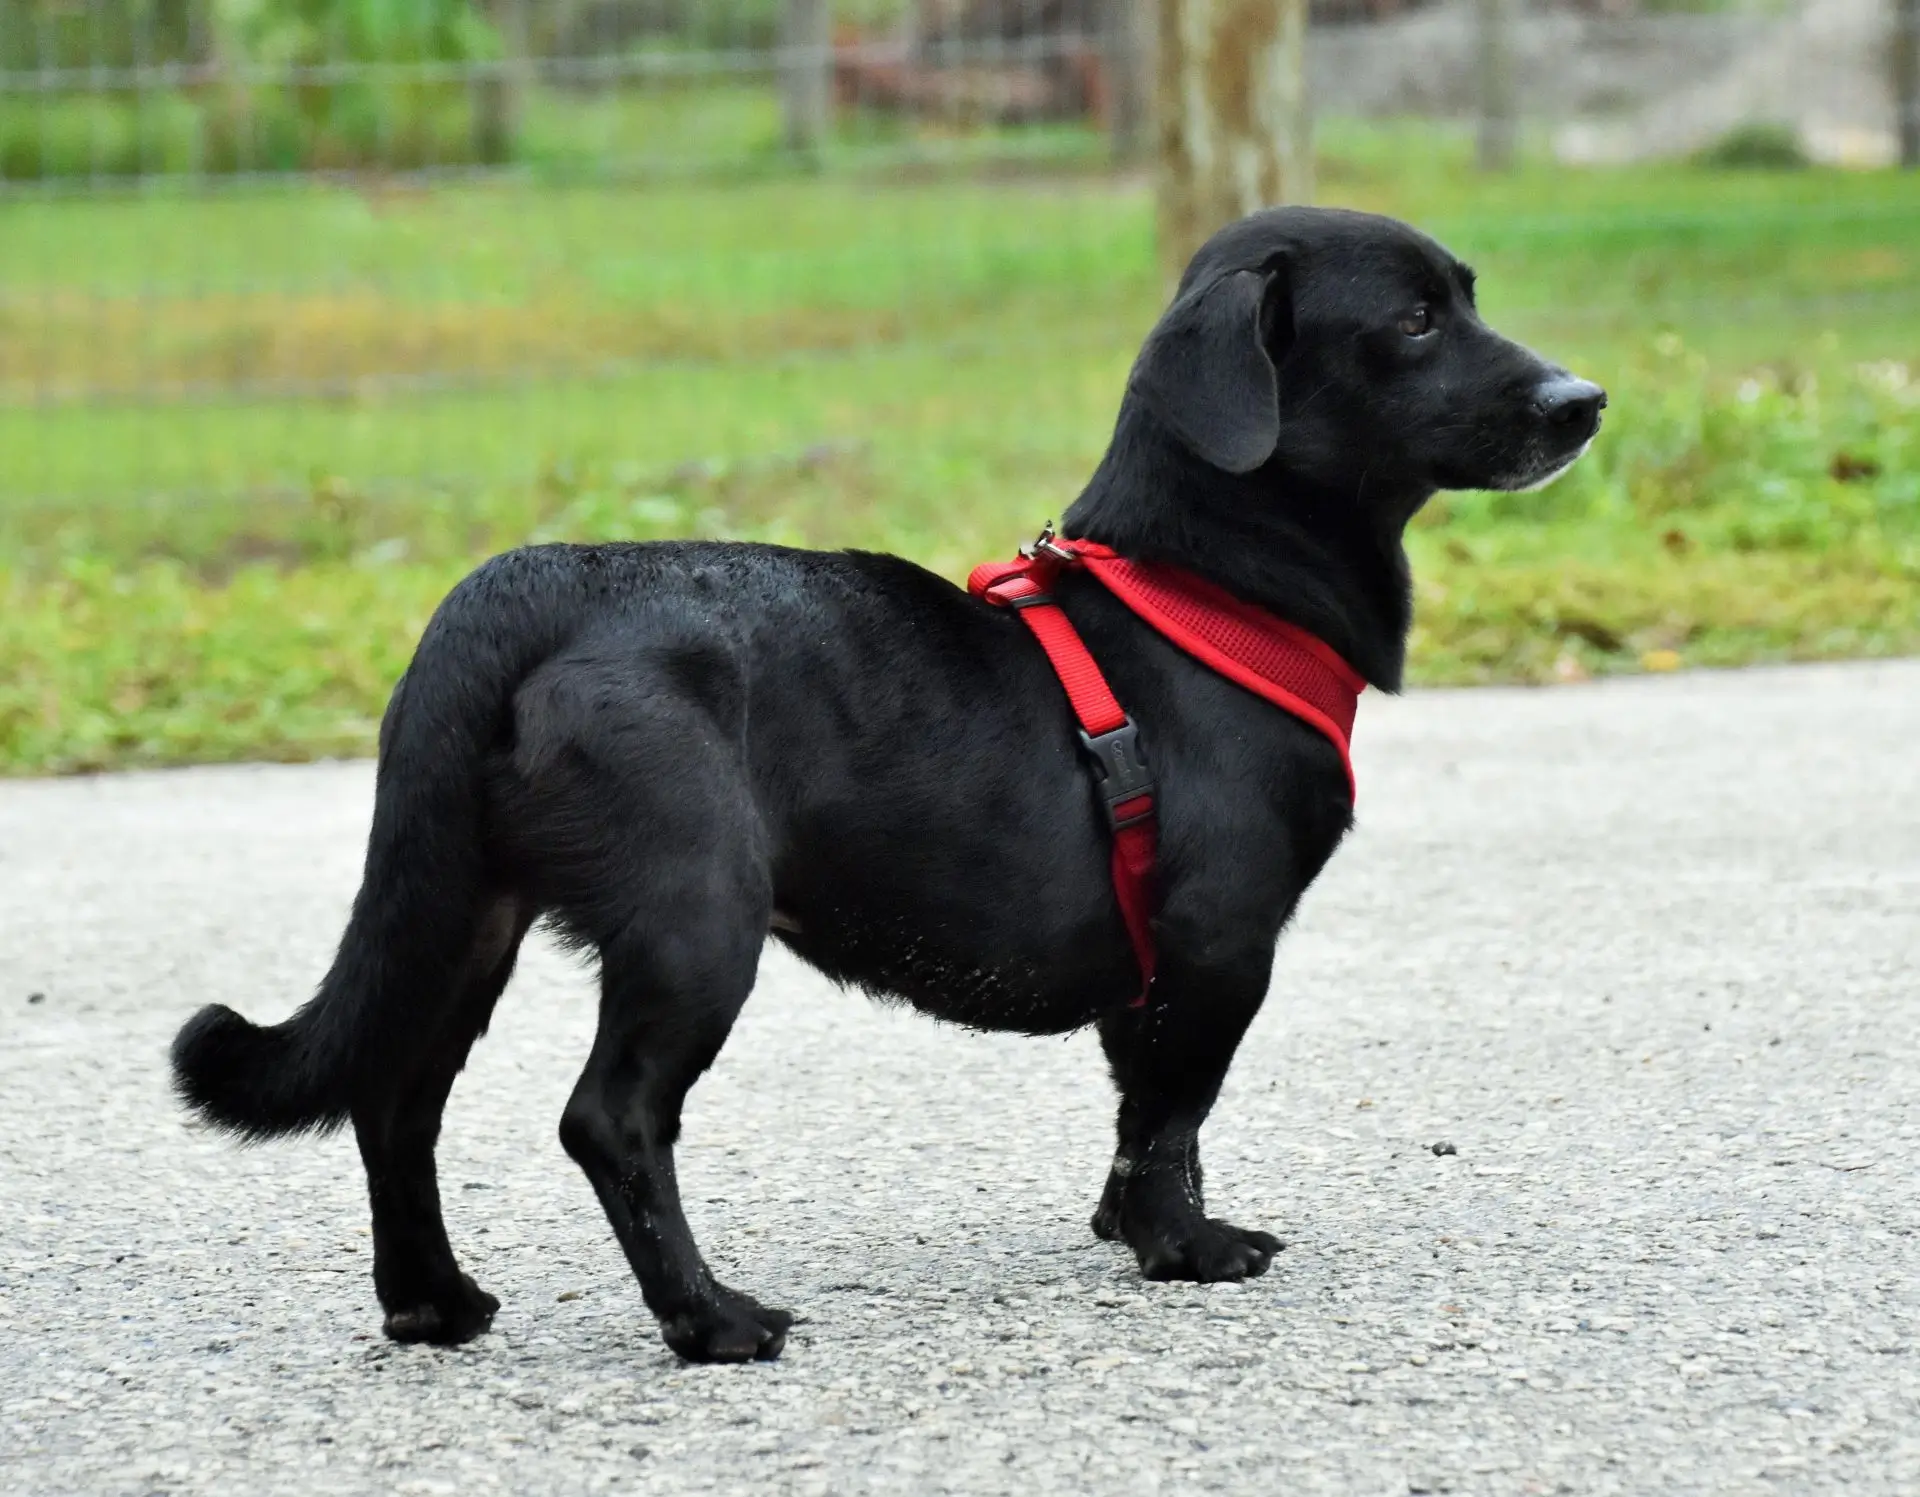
1572 403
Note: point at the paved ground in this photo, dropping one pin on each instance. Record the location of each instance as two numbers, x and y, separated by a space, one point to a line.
1645 953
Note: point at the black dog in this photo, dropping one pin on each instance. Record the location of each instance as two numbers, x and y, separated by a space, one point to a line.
670 750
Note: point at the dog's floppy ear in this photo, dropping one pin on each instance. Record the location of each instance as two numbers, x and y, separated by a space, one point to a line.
1206 369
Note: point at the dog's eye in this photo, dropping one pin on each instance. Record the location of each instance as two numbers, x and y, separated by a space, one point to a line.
1417 323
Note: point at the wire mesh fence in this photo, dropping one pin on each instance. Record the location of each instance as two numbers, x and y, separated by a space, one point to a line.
251 246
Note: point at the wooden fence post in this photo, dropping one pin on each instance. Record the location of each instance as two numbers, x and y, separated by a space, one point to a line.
1494 21
1906 79
1129 27
806 74
500 93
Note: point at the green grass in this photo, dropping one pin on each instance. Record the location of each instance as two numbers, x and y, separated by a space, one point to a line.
190 571
647 127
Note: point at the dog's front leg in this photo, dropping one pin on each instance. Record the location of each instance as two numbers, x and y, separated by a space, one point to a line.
1168 1060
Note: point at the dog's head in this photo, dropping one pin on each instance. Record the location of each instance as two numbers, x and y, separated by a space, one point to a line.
1344 350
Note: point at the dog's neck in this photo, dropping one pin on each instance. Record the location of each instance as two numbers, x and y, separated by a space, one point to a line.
1316 557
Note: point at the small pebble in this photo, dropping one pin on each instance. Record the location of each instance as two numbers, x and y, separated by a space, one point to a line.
571 1294
1444 1147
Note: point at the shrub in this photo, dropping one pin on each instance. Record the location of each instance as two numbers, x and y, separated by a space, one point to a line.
1761 145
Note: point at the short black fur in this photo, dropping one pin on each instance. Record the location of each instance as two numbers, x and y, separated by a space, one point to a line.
669 751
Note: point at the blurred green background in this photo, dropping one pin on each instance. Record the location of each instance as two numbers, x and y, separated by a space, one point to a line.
307 305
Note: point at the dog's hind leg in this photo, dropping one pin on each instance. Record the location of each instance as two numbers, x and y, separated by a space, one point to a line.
671 986
1168 1061
669 997
425 1295
634 811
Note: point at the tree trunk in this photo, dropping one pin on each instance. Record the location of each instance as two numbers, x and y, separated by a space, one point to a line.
1235 130
1906 79
806 74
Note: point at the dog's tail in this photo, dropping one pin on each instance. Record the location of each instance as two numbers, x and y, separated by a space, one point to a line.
417 915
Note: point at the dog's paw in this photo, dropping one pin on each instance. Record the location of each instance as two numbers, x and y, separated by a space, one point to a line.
728 1328
464 1311
1206 1251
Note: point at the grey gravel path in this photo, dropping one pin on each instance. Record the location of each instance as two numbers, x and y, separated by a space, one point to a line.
1643 952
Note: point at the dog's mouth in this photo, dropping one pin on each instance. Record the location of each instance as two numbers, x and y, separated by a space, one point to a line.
1537 474
1517 461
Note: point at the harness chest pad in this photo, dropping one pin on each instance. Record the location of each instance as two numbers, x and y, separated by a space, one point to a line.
1275 660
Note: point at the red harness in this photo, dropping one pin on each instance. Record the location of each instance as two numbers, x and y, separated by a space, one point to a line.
1249 646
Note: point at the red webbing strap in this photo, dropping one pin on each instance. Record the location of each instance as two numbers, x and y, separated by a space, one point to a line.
1021 585
1136 847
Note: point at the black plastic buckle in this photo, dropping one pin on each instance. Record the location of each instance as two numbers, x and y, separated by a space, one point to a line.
1121 773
